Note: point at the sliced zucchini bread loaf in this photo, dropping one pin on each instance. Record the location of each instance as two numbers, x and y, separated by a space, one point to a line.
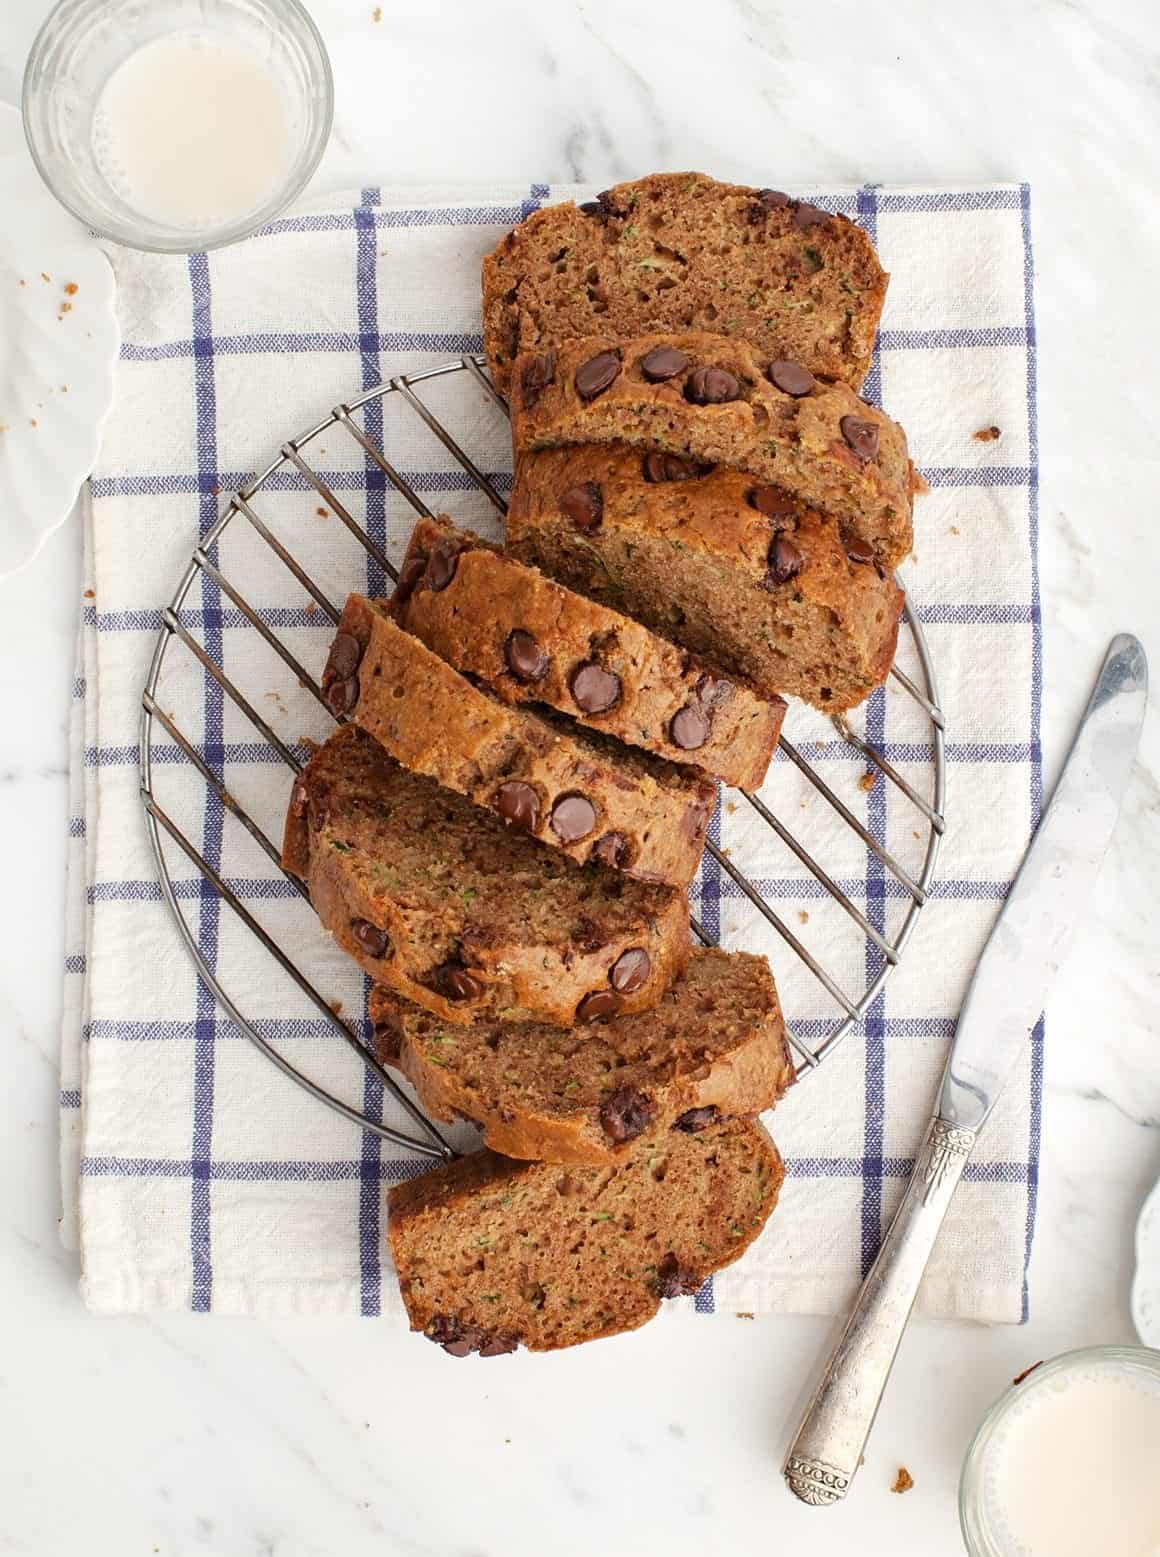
459 913
679 251
532 640
720 562
492 1254
724 403
573 789
716 1045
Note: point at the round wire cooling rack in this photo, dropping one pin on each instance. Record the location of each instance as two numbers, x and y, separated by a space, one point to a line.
291 470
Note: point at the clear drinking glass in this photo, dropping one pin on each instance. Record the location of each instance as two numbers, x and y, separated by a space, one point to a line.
84 41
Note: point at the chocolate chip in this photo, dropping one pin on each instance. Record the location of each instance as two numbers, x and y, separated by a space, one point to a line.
538 373
674 1280
602 207
696 1119
663 362
857 549
584 505
785 561
712 691
630 971
441 565
341 696
599 1003
498 1344
525 659
772 502
409 575
518 804
453 980
626 1113
573 817
791 378
862 436
689 728
455 1335
343 659
807 215
594 689
375 942
659 466
388 1042
767 200
300 798
597 374
612 850
591 207
712 386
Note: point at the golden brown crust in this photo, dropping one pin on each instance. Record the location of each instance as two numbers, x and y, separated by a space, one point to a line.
682 251
657 691
697 559
807 443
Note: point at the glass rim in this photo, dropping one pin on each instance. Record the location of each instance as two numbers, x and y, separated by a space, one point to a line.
969 1500
142 238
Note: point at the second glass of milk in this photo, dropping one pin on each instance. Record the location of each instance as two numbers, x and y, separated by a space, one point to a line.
177 125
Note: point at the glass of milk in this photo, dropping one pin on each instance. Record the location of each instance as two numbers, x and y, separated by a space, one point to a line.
177 125
1067 1462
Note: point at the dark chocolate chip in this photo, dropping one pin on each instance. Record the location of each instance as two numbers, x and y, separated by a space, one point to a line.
807 215
659 466
588 935
300 798
674 1280
525 659
518 804
454 1335
767 200
689 728
857 549
453 980
409 575
712 386
573 817
630 971
862 436
791 378
342 661
602 207
597 374
612 850
341 696
590 207
388 1042
584 506
712 691
785 561
441 565
772 502
696 1119
498 1344
626 1113
599 1003
594 689
375 942
663 362
538 373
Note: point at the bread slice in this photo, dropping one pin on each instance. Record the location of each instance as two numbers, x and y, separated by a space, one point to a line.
716 1044
679 251
587 796
460 914
532 640
718 562
492 1254
720 402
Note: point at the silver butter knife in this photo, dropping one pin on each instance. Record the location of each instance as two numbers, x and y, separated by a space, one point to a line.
1026 947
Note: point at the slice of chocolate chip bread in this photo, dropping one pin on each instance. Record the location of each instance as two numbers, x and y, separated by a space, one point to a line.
723 402
716 1045
579 792
492 1254
532 640
719 562
459 913
679 251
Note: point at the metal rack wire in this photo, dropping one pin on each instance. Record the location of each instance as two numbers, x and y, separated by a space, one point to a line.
161 824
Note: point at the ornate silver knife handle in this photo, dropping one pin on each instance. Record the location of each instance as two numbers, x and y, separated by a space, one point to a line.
828 1446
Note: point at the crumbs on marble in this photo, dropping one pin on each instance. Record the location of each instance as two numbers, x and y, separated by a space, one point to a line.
988 434
1019 1377
903 1481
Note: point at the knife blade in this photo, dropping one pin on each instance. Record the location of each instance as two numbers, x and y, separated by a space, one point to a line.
1025 950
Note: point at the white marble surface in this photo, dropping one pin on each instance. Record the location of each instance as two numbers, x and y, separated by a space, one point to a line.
183 1435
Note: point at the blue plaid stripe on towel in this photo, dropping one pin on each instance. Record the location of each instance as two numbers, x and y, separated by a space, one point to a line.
195 1175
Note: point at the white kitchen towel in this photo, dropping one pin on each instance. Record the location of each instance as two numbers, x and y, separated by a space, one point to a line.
208 1180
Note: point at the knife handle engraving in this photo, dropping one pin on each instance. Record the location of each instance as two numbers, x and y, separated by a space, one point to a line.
827 1448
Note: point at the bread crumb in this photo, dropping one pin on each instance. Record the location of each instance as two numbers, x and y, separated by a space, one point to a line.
64 389
1019 1377
803 917
731 806
32 422
743 1313
868 779
90 594
954 529
23 283
311 607
728 853
903 1481
215 491
915 834
323 513
44 276
71 288
377 16
988 434
65 308
335 1006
